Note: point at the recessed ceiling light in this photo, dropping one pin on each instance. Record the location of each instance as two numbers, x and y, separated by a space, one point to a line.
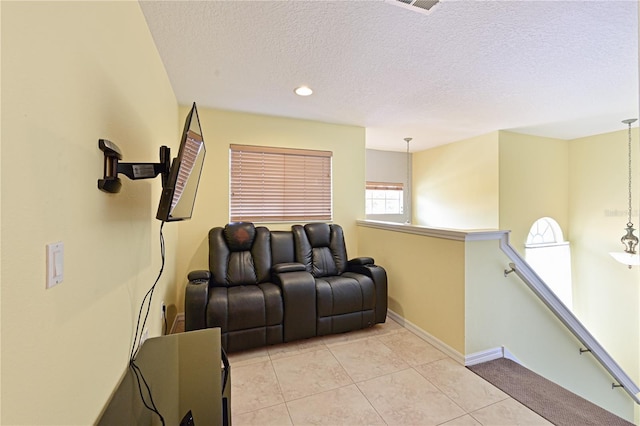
303 91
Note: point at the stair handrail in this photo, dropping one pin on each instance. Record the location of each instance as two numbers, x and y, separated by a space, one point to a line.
544 293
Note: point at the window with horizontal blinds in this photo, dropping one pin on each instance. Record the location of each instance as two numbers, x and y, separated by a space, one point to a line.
384 198
279 184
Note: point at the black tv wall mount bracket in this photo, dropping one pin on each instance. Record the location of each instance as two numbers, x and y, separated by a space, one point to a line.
112 167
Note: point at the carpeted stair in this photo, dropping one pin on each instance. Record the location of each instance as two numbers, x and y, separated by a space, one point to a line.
556 404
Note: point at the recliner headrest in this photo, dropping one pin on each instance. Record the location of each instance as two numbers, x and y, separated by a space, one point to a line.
319 234
239 235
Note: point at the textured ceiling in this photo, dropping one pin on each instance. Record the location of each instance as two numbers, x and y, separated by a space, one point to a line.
563 69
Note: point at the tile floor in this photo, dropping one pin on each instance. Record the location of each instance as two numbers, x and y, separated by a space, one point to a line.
385 375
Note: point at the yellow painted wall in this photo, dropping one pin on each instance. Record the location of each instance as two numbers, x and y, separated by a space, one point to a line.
0 232
73 72
534 183
456 185
222 128
606 293
426 280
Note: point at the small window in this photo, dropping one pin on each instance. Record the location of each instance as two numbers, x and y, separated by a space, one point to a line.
279 184
544 231
384 198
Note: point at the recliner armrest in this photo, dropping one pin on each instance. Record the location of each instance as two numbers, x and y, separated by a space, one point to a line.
361 261
196 298
282 268
365 266
199 276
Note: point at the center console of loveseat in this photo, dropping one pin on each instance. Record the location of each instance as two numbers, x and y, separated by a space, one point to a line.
266 287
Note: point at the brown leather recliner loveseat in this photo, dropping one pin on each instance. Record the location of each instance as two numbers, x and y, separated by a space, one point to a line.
265 287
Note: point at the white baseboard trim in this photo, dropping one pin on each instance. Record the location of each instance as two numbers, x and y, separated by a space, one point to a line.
468 360
484 356
437 343
489 355
179 317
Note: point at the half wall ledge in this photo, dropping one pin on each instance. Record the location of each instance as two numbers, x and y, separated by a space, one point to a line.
445 233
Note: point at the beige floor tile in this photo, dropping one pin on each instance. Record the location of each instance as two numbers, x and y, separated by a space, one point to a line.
460 384
368 358
310 382
250 356
342 406
277 415
411 348
508 412
309 373
296 348
465 420
407 398
387 327
352 336
254 386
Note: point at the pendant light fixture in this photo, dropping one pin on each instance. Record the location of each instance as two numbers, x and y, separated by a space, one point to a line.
629 256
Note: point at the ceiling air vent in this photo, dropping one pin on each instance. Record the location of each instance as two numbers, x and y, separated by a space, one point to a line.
423 6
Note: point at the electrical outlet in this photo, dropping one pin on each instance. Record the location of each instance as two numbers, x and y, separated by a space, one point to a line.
145 336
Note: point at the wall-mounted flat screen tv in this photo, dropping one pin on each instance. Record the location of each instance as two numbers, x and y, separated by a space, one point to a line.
179 191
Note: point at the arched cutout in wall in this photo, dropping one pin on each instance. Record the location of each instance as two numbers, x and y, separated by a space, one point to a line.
550 256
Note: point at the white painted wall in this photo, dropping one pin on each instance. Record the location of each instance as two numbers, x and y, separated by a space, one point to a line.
553 264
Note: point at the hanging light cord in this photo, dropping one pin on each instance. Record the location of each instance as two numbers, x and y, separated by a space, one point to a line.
629 224
628 240
406 195
629 122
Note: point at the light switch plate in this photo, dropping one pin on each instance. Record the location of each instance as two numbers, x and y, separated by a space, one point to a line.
55 263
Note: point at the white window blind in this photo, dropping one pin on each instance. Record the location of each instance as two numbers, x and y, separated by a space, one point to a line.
279 184
384 186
